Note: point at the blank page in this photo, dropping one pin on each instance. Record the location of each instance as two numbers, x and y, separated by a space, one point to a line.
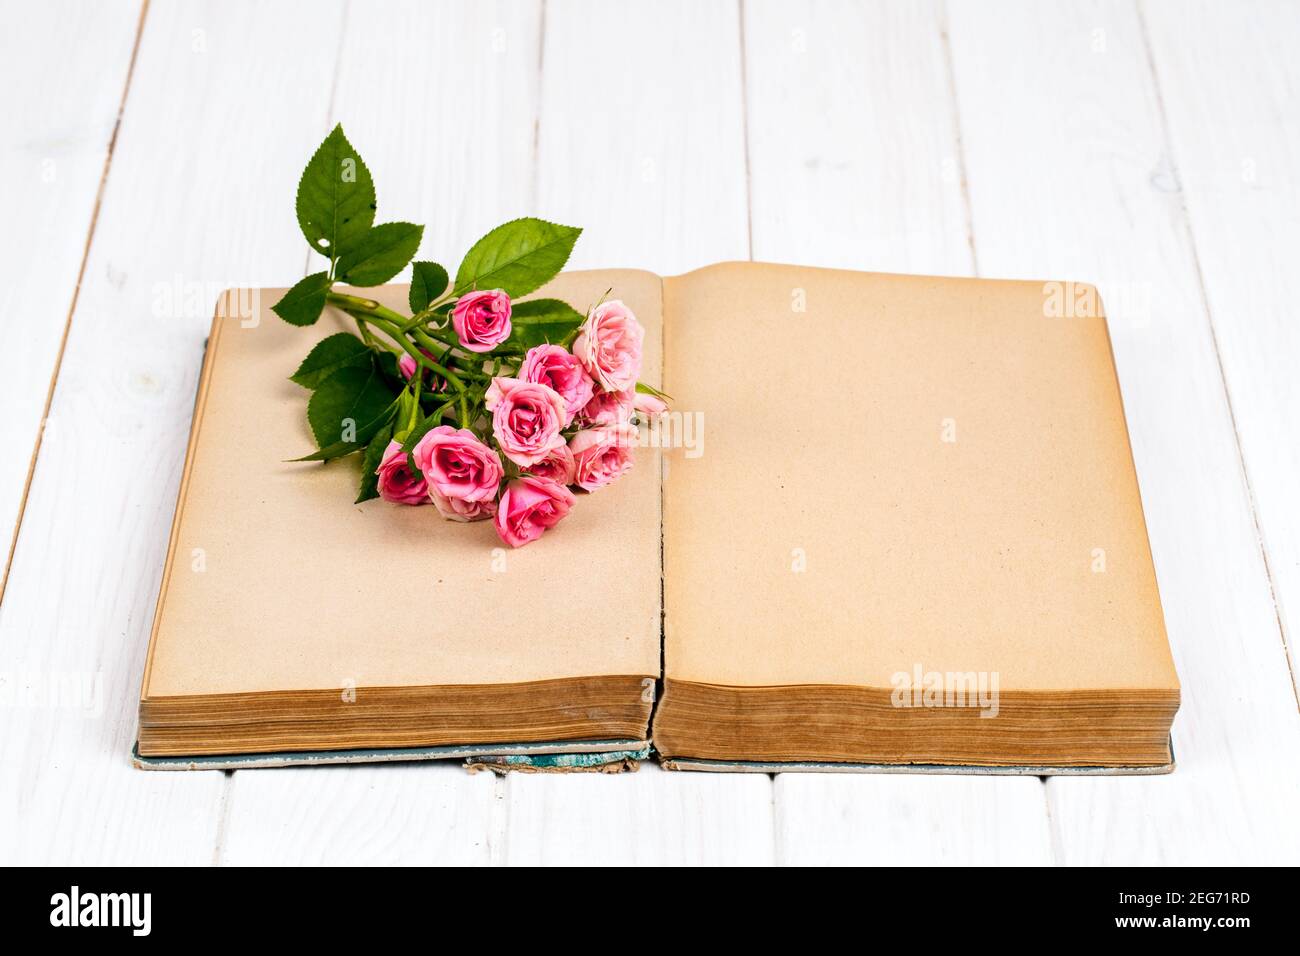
276 581
900 471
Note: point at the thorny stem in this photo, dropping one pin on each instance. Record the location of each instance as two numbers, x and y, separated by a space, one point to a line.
390 323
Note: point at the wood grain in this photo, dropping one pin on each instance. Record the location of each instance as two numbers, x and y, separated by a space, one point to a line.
200 165
54 150
627 147
886 820
651 817
382 814
1232 110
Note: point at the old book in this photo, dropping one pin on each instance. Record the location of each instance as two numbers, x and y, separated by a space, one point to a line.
898 523
914 535
291 620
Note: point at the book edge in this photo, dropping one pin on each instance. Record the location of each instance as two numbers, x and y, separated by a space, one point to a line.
211 345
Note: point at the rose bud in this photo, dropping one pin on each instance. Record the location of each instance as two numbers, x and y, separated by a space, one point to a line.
396 483
557 465
606 408
458 509
602 455
648 406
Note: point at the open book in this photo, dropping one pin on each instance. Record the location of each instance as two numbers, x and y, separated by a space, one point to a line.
889 520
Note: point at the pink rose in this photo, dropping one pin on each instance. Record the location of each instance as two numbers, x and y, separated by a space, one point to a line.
458 509
648 406
528 507
602 455
554 366
396 483
457 465
526 419
606 408
557 465
610 346
482 319
406 365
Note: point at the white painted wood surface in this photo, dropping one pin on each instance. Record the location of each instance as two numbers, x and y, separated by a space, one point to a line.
53 144
1238 160
1075 179
1151 149
199 163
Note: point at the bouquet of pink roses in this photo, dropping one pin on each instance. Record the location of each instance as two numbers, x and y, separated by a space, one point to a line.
483 405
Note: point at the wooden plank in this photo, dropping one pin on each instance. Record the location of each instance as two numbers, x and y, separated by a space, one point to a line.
200 169
855 163
384 814
1231 98
53 149
466 72
861 820
1070 177
651 817
641 142
854 158
444 110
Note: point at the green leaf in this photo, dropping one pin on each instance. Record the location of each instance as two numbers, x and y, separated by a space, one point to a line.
338 449
370 461
330 354
387 363
341 449
426 425
518 257
542 320
645 389
428 281
380 254
349 406
303 304
336 197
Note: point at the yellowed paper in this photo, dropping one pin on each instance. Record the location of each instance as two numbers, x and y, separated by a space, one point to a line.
277 582
900 472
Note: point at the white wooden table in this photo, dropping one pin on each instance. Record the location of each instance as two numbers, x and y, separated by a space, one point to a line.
148 158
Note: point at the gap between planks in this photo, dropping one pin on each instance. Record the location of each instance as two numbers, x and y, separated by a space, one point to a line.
72 305
1193 246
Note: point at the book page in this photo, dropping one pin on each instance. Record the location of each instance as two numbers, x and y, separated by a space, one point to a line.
276 581
898 473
